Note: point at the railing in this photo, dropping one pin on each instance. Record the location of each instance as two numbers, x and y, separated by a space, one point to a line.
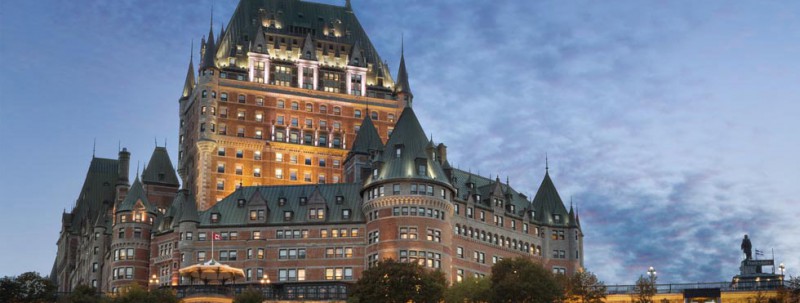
680 287
277 291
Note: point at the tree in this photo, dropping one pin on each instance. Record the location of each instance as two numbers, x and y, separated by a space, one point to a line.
134 293
644 290
395 282
9 289
521 280
470 290
584 287
249 295
28 287
84 294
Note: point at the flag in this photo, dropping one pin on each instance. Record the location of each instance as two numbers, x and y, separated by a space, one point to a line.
216 236
759 253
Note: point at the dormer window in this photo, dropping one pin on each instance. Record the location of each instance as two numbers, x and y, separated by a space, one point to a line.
422 169
240 202
303 200
281 201
470 185
137 217
398 151
288 215
374 172
215 217
477 198
512 208
345 214
557 218
339 199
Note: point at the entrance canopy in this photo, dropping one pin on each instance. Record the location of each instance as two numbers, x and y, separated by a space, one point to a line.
211 271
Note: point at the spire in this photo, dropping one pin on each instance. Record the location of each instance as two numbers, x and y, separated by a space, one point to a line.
210 54
188 85
402 87
159 169
546 164
309 52
221 33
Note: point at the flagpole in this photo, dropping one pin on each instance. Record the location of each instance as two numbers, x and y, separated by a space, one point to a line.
212 245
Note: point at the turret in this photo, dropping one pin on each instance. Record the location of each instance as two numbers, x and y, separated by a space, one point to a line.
130 244
402 89
188 84
210 52
367 144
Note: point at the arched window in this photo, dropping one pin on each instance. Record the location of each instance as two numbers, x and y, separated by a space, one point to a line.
337 110
205 93
213 94
390 117
295 106
309 107
357 113
323 109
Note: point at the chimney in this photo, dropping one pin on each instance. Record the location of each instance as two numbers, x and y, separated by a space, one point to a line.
442 151
124 165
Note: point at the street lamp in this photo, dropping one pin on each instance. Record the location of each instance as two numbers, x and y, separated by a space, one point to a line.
154 280
651 272
265 279
782 267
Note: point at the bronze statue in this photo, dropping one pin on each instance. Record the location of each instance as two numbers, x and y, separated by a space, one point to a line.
747 248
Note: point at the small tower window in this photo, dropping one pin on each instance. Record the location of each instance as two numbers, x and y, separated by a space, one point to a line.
339 199
214 217
421 169
303 200
281 201
240 202
398 151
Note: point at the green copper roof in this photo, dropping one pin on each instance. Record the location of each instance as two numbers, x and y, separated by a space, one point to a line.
409 137
269 197
135 194
188 209
547 203
159 169
298 19
309 51
367 138
484 187
98 187
210 55
188 85
402 85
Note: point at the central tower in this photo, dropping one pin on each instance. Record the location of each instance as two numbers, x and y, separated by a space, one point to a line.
279 97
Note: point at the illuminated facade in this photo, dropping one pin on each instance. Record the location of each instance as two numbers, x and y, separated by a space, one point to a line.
301 152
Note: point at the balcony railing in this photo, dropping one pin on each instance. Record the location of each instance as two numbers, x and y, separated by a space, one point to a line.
723 286
277 291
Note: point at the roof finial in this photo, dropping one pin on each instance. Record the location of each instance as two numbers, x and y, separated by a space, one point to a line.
546 164
191 52
137 168
165 142
155 140
94 146
119 145
402 44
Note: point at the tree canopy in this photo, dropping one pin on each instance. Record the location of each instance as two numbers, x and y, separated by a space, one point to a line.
583 287
249 295
644 290
521 280
28 287
395 282
470 290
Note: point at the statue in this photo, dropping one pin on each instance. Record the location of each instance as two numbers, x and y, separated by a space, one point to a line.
747 248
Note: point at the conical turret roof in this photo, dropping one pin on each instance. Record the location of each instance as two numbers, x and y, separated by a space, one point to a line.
402 85
367 138
210 55
409 137
547 202
160 169
135 194
188 210
188 85
356 58
259 43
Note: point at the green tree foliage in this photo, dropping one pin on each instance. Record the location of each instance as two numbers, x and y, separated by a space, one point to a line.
85 294
470 290
583 287
644 290
135 293
520 280
29 287
394 282
249 295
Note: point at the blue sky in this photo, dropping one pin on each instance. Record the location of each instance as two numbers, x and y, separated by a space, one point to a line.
672 125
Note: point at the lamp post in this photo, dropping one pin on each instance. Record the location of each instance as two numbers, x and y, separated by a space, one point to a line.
154 281
264 283
651 272
782 268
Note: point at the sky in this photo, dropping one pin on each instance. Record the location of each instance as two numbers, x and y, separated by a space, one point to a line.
673 126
